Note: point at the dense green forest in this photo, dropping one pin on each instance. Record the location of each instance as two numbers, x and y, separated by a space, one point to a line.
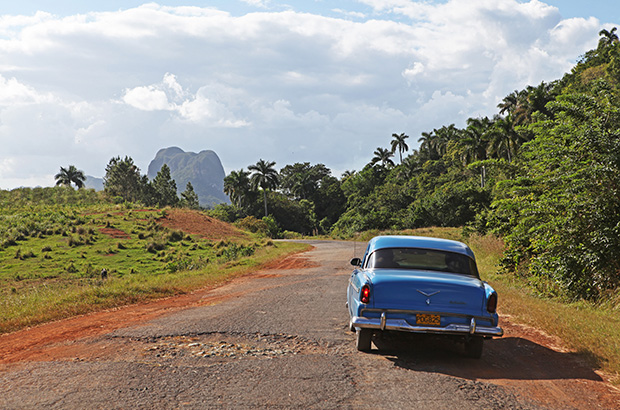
543 174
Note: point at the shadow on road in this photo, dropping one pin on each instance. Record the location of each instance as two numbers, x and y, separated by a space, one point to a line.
510 358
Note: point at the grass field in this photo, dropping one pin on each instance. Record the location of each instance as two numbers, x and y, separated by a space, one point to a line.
51 261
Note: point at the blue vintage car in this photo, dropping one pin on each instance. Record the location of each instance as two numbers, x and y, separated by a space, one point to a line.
421 285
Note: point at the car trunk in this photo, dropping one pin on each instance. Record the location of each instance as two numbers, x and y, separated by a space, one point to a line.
427 291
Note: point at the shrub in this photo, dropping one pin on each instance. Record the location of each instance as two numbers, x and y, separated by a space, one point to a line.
254 225
175 236
155 246
291 235
235 251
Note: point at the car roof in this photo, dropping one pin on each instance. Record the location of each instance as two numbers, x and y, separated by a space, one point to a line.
423 242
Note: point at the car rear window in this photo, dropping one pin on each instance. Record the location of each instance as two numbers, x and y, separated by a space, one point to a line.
422 259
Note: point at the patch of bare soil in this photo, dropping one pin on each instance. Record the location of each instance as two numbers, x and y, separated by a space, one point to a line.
291 263
535 365
540 367
114 233
189 221
195 222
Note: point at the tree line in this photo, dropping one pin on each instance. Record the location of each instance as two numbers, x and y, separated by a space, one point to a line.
124 183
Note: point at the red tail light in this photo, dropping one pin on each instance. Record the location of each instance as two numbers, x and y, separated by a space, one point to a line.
365 294
492 303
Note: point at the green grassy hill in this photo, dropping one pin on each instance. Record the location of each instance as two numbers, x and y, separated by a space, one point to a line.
67 252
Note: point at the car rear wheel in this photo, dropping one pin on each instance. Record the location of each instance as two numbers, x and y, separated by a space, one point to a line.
363 339
473 347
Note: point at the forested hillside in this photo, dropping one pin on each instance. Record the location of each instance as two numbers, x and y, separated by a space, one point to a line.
543 173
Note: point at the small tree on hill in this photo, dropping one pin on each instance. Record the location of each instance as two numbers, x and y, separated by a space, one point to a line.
122 178
148 195
189 198
165 187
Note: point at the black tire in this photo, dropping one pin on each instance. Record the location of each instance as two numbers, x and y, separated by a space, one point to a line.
363 339
473 347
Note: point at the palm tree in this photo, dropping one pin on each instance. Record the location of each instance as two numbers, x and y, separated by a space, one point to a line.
530 101
410 166
426 143
398 143
302 180
475 139
505 141
383 156
303 185
435 144
509 103
237 186
608 38
347 174
264 176
474 144
443 136
66 176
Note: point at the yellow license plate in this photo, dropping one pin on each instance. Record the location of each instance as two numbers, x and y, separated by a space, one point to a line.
432 320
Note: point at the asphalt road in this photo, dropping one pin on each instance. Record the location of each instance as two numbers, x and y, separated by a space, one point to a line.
277 339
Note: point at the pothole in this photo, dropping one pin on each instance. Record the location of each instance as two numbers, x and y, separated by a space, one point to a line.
228 346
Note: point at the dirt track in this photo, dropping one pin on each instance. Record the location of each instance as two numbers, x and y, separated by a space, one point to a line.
245 345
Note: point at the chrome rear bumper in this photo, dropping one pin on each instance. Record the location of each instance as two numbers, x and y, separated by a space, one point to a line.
383 323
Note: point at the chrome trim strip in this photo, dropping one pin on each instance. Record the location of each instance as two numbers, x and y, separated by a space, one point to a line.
404 326
428 312
428 295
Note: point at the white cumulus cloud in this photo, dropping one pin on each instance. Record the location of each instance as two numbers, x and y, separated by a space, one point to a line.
282 82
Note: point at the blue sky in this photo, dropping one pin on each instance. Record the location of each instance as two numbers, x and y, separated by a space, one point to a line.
604 10
286 81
